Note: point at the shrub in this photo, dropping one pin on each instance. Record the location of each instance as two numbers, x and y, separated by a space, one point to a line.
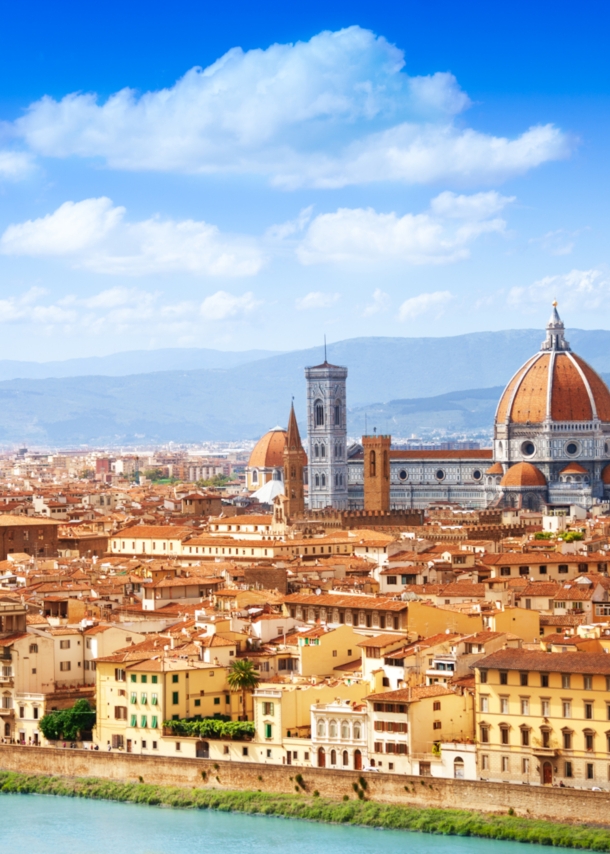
212 728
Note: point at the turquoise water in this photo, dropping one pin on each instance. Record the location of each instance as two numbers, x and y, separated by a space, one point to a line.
35 824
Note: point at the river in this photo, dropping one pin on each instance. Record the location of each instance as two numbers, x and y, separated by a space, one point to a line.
38 824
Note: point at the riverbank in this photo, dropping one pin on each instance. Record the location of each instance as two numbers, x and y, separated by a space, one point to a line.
309 806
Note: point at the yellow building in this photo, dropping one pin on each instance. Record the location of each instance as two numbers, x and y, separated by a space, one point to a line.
543 718
136 692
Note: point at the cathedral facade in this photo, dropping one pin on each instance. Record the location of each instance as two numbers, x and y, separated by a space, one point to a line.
551 444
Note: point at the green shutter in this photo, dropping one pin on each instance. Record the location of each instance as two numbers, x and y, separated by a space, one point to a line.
144 721
134 720
134 697
154 680
153 722
268 730
134 678
144 699
144 678
175 698
154 699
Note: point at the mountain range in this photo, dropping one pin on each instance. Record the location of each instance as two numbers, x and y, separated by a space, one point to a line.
404 385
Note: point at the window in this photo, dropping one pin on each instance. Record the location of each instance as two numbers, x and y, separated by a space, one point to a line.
118 742
344 729
483 703
217 701
590 773
372 464
545 707
505 765
134 677
483 676
154 700
567 770
589 740
244 751
546 737
154 724
523 679
525 705
144 721
484 735
589 711
505 570
178 746
144 678
119 674
566 708
503 705
525 766
544 680
174 678
64 644
587 683
120 713
33 648
153 680
134 720
319 413
436 725
65 665
175 696
337 413
503 677
485 762
504 735
35 711
268 730
134 697
525 737
321 729
268 709
436 706
567 740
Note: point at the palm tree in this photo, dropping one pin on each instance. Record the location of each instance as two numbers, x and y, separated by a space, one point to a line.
242 676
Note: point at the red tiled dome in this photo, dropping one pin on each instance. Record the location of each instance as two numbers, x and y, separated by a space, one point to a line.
523 474
269 450
495 469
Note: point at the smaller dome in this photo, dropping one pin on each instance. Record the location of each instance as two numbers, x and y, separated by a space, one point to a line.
574 468
268 452
495 469
606 474
523 474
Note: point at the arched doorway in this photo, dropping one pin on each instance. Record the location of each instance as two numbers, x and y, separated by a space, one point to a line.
357 760
458 768
202 749
547 774
321 758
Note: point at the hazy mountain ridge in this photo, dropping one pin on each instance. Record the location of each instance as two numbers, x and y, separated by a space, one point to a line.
405 385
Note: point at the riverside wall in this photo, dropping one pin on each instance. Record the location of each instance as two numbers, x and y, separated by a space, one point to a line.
527 801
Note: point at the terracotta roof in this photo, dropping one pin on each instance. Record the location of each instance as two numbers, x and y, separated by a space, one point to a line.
571 389
574 468
547 662
157 532
381 641
495 469
523 474
344 601
269 450
606 474
409 695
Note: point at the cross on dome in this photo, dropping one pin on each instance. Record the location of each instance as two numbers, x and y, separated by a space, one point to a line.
555 332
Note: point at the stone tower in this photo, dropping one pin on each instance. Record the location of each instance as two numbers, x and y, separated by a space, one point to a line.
294 464
376 472
327 435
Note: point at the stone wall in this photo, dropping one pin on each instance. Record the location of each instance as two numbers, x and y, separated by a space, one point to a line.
529 801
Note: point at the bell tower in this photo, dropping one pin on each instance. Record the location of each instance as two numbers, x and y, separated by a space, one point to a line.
294 464
376 472
327 435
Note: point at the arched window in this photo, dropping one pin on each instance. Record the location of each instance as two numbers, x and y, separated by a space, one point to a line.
333 729
344 729
318 480
318 409
323 480
33 647
316 451
293 471
458 768
357 735
321 729
322 450
373 464
336 480
254 476
337 413
345 757
333 757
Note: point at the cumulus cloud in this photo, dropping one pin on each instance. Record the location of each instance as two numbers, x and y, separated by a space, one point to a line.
424 303
317 299
15 165
438 236
578 290
381 302
121 309
94 235
339 109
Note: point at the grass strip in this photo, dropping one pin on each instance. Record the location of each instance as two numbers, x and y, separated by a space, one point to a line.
363 813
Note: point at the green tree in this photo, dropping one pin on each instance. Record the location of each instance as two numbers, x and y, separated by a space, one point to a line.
242 676
68 724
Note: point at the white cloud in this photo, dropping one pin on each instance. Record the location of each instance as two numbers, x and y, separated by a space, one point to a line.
423 303
336 110
559 242
381 302
317 299
577 290
93 235
290 228
122 309
222 305
438 236
15 165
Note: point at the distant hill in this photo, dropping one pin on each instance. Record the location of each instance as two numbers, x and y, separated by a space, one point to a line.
405 385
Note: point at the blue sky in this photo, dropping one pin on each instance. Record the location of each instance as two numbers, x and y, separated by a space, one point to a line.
192 175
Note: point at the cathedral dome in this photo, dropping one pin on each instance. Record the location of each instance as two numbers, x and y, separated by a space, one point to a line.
523 474
269 450
554 385
606 474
